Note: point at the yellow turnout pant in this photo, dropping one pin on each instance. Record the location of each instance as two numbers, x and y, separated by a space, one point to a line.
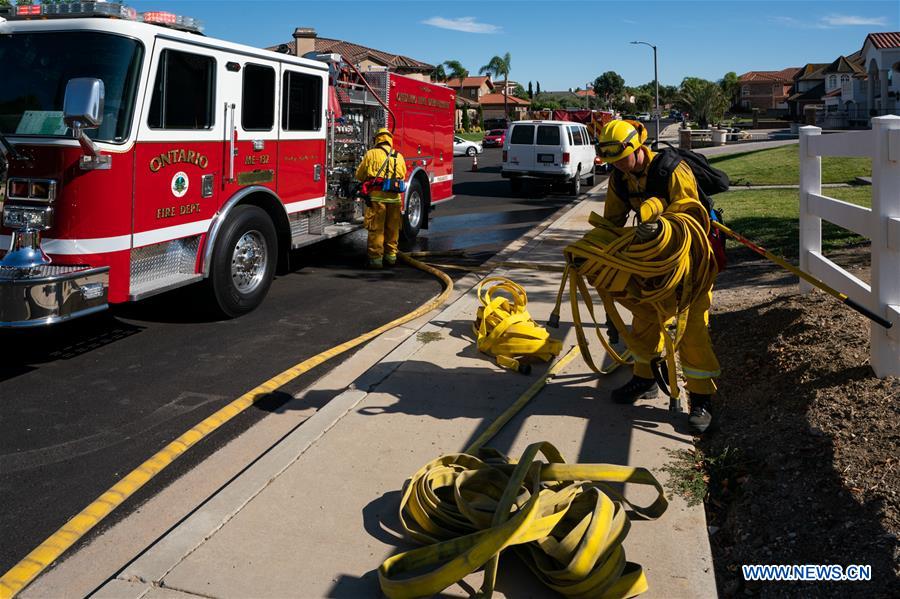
382 221
698 361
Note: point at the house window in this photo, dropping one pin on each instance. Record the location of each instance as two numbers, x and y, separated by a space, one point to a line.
745 91
845 78
832 81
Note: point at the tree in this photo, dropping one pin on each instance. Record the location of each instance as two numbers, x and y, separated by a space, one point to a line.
538 92
520 92
530 91
609 86
466 123
455 70
438 74
643 101
703 99
497 66
731 87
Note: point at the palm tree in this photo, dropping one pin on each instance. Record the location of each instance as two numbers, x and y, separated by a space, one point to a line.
438 74
497 66
455 70
704 99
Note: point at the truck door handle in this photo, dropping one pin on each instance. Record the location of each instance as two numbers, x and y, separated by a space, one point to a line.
317 172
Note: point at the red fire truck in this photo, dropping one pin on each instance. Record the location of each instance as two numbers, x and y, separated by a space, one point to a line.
143 156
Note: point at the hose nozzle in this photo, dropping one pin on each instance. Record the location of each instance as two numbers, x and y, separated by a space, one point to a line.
553 321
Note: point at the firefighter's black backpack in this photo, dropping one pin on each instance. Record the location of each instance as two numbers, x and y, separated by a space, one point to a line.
710 181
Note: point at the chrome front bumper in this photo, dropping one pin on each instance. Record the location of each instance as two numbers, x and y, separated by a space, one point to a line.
49 294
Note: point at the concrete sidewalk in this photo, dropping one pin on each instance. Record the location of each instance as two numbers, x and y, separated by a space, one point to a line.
317 514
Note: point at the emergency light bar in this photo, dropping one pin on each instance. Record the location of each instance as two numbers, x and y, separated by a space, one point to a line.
102 9
114 10
167 19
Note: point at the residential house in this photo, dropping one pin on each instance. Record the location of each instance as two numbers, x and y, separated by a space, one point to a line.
880 58
767 90
471 88
468 95
509 86
808 89
844 92
493 106
307 41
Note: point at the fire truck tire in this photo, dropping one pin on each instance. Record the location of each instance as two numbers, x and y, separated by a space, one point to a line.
243 261
416 212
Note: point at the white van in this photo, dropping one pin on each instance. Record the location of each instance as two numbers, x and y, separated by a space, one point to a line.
558 151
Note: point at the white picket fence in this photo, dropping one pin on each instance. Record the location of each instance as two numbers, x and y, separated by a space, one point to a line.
881 224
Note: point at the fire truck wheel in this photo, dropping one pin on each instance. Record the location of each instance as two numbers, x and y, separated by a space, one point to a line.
416 211
243 261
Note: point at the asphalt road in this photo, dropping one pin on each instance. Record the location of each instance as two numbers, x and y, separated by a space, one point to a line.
84 403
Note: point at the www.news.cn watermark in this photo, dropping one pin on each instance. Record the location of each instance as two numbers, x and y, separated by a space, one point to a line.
807 572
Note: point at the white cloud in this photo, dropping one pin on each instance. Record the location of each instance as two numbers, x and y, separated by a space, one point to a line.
465 24
830 22
843 20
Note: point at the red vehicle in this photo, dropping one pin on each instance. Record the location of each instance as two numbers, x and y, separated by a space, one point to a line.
494 138
143 156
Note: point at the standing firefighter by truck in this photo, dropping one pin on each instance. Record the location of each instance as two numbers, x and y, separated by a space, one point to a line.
382 173
144 156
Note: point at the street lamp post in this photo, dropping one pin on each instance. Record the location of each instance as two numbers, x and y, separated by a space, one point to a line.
656 81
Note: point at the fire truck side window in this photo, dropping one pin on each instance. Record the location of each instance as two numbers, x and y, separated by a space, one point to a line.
301 105
184 92
258 106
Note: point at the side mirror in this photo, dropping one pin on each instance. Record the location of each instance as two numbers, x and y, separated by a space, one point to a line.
83 109
83 104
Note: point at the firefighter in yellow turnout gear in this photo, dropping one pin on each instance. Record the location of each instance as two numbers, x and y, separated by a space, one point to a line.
381 172
622 145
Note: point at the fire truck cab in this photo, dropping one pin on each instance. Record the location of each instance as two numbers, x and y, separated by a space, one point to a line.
142 156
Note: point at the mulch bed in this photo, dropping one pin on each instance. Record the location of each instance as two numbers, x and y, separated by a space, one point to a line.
813 435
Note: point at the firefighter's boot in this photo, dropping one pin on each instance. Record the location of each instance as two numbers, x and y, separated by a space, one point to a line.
700 417
375 264
637 388
390 261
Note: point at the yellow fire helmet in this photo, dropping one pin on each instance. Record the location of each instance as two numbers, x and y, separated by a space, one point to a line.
620 138
384 135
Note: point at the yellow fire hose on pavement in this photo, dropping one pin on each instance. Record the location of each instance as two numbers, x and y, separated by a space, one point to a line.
24 572
505 330
564 521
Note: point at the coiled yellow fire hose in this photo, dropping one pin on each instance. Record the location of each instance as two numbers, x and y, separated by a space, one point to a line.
564 521
669 273
505 329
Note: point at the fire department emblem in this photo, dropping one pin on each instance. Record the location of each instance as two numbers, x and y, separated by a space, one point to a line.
180 184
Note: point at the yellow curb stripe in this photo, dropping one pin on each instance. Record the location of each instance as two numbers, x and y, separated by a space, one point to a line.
24 572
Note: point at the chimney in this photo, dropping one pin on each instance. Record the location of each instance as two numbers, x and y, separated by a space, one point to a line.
305 40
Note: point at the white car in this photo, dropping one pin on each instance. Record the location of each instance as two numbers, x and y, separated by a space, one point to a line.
555 151
645 116
462 147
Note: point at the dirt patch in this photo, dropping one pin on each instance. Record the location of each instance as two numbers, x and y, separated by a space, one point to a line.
817 434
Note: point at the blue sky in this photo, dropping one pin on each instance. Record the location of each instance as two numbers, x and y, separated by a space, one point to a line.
566 44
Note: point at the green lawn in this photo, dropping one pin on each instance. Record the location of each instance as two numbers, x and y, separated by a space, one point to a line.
781 166
770 217
472 136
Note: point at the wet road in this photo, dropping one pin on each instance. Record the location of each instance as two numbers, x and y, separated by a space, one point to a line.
84 403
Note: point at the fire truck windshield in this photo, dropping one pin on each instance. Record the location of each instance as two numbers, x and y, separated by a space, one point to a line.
35 68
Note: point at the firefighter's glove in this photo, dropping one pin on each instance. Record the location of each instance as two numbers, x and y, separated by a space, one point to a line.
647 231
